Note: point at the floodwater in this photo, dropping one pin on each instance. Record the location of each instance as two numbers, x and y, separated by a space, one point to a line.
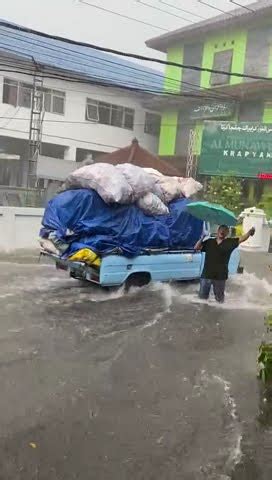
154 384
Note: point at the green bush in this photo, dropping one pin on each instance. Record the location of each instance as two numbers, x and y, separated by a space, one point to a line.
266 204
227 191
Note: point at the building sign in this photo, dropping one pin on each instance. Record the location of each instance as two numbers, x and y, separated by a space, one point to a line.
265 176
240 149
213 110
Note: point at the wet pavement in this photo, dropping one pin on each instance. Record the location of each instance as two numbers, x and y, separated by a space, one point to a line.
153 384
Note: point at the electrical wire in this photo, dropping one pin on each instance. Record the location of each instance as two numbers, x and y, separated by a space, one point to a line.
103 95
87 122
63 138
121 15
113 75
132 55
182 9
144 4
198 91
160 76
102 61
9 119
101 82
242 6
215 8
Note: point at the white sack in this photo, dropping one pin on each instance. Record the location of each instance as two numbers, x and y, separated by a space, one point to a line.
105 179
189 186
170 187
153 172
152 205
139 180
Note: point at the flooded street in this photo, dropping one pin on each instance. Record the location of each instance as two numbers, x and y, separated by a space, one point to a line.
153 384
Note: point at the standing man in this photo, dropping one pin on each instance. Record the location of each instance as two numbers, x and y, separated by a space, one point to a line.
218 251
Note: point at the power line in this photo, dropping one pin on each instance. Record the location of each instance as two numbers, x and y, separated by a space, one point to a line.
134 69
143 72
101 82
63 138
122 15
131 86
182 9
215 8
242 6
141 2
111 74
89 123
9 119
93 94
132 55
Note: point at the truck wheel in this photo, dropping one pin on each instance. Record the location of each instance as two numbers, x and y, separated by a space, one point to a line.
137 280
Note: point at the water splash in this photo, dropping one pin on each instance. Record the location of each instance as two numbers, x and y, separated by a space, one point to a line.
167 294
243 292
234 427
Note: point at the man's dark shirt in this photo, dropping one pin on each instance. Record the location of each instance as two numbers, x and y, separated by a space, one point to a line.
217 257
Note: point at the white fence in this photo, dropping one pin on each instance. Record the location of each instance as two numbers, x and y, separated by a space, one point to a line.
19 228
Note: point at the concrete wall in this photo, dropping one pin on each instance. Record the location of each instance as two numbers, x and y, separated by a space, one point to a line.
19 228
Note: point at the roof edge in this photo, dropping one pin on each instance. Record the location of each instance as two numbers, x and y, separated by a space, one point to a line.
239 17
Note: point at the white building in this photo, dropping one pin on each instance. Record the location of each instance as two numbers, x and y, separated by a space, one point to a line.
100 111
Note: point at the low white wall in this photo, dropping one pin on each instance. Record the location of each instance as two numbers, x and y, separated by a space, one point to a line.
19 228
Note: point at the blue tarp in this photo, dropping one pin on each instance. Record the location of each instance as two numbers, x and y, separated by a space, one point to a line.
82 219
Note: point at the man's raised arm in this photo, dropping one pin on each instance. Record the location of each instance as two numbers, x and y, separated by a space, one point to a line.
246 236
198 246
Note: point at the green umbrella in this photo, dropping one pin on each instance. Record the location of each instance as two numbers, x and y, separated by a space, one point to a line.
213 213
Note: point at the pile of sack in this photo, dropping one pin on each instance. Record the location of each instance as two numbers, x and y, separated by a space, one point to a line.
126 184
124 209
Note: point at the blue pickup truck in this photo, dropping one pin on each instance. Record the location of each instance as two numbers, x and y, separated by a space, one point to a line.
153 266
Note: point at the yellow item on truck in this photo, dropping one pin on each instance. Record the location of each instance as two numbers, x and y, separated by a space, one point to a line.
87 256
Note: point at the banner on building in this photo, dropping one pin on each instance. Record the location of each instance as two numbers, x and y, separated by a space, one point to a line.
239 149
213 110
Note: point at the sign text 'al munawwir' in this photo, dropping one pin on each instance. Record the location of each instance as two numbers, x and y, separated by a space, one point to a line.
241 149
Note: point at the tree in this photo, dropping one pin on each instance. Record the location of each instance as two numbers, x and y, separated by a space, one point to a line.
227 191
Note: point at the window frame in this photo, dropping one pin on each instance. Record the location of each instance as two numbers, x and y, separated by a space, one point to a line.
217 79
50 92
24 86
92 103
51 95
19 85
147 124
113 109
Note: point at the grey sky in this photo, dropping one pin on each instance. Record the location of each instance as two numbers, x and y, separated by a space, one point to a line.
81 22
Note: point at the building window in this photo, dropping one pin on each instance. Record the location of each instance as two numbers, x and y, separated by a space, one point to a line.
92 110
18 94
222 61
108 114
54 101
152 123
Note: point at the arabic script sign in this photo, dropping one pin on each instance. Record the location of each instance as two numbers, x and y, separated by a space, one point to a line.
213 110
240 149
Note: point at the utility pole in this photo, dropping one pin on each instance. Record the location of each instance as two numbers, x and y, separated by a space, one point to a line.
191 164
35 129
